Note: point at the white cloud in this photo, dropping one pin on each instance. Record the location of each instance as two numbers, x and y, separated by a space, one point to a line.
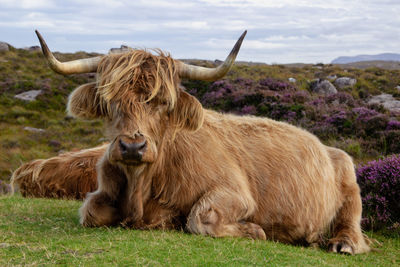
27 4
279 31
191 25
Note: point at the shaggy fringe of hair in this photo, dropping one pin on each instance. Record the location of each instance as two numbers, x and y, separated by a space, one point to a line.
122 76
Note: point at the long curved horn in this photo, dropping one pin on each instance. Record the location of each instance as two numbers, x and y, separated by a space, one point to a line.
210 74
84 65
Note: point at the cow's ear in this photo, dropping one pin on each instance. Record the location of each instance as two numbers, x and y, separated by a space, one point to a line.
83 102
188 113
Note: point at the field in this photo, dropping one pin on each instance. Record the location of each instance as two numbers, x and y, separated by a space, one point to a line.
47 232
37 232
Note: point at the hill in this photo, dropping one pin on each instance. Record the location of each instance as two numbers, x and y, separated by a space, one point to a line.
388 65
359 58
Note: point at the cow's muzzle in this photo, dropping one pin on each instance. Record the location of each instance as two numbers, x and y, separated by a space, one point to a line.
131 150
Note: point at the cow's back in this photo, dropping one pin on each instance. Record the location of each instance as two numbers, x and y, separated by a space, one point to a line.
290 172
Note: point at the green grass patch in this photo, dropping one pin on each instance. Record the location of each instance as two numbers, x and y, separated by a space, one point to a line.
47 232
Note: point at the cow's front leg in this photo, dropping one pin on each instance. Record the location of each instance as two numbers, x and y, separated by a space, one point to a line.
222 213
101 208
132 207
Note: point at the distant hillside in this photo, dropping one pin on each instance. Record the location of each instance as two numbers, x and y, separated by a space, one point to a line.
387 65
359 58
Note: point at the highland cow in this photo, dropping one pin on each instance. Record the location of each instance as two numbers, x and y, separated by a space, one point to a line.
69 175
225 175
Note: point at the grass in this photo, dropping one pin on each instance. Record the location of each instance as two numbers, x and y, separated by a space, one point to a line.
22 71
37 232
18 145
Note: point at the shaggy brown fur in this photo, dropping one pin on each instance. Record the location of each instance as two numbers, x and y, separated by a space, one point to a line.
227 175
69 175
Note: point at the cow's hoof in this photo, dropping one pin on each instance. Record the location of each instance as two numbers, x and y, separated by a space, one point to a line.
253 231
127 223
340 247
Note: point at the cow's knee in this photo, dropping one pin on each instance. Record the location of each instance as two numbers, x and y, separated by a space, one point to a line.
214 217
203 221
99 210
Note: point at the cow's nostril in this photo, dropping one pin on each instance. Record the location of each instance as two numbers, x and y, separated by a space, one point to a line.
142 146
138 134
123 146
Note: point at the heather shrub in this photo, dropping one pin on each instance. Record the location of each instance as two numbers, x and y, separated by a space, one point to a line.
380 190
337 116
392 142
276 85
301 96
4 188
323 130
393 125
341 120
341 98
248 110
362 113
350 146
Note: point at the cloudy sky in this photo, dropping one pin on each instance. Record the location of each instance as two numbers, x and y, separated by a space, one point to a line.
279 31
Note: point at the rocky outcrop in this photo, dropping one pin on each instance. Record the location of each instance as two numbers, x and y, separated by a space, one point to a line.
34 48
4 47
34 130
343 82
386 100
324 87
122 49
29 95
331 77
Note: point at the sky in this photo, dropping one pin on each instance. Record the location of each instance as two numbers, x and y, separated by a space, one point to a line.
279 31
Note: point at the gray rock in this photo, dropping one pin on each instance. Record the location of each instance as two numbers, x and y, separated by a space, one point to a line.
292 80
343 82
386 100
4 47
54 143
34 48
34 130
331 77
29 95
398 88
122 49
323 87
